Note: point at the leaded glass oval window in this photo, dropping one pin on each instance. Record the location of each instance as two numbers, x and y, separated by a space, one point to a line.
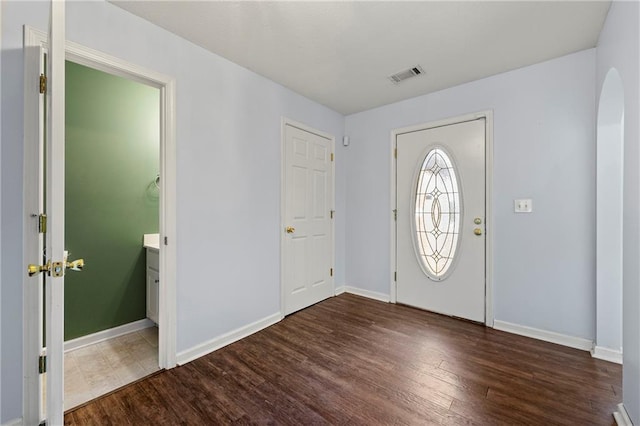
437 214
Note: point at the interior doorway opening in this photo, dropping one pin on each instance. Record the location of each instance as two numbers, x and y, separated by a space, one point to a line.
112 196
35 46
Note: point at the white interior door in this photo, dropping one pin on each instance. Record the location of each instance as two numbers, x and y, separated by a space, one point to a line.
308 229
54 201
440 219
34 251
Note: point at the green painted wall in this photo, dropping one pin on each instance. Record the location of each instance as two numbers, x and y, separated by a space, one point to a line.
112 158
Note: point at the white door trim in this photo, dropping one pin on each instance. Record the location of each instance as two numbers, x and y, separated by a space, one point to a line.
286 121
488 115
36 40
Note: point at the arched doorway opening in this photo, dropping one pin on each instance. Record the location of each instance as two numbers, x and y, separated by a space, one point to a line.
609 179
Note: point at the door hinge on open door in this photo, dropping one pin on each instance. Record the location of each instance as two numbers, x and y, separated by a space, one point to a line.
331 271
42 223
332 213
42 364
43 83
332 156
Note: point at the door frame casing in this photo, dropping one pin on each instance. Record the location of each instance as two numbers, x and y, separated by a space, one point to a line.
489 229
35 41
287 121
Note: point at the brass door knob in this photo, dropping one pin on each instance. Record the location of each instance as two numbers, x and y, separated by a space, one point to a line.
36 269
477 231
76 265
477 221
290 229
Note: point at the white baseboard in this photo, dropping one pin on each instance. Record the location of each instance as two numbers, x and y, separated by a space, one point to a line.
607 354
547 336
110 333
14 422
622 417
339 290
367 293
226 339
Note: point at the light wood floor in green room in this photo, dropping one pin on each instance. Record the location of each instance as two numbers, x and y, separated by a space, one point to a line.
351 360
98 369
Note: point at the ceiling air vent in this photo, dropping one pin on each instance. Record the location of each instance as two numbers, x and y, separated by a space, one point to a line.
405 74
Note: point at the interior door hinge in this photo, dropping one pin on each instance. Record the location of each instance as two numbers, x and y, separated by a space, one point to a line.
332 213
42 223
395 152
395 214
395 276
332 156
166 241
43 83
42 364
331 271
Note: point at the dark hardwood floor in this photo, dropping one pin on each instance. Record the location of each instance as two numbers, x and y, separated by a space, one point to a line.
351 360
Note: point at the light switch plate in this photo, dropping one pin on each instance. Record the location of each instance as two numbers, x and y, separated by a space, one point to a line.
523 205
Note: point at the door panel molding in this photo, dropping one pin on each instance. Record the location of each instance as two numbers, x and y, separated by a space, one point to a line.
283 198
36 41
489 241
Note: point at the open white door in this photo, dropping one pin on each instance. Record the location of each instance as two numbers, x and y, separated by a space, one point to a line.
54 201
33 346
44 225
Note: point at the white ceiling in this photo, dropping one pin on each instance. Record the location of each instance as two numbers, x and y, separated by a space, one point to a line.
340 53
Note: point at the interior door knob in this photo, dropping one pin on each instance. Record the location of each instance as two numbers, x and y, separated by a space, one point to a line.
477 231
36 269
76 265
290 229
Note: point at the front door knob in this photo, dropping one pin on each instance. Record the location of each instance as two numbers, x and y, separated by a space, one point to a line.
477 231
290 229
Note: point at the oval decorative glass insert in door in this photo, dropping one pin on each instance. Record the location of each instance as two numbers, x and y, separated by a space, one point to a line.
437 214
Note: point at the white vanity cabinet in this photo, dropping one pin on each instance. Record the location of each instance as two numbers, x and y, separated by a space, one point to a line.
153 276
153 281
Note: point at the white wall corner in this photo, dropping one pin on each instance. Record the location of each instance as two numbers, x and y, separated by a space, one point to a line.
606 354
14 422
339 290
367 293
622 417
544 335
226 339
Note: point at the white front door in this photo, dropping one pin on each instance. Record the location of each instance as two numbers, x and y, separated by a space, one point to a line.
440 219
308 229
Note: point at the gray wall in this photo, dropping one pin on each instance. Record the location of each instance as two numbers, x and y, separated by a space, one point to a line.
544 149
228 175
618 47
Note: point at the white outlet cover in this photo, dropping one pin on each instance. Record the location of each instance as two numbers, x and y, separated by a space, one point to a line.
524 205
